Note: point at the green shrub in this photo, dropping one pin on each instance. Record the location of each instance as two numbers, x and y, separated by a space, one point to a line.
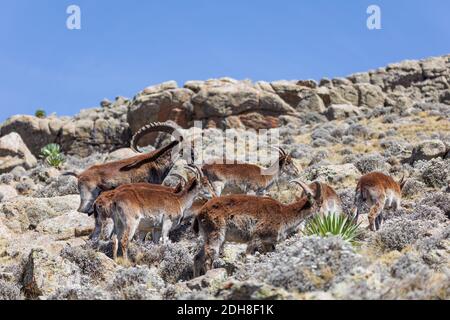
40 113
52 155
333 225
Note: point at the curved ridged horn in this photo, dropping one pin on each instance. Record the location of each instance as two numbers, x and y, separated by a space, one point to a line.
281 151
153 127
179 176
308 191
193 170
196 169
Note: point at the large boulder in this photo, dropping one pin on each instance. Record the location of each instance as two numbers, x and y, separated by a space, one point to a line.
14 153
403 73
27 213
300 95
219 100
100 129
69 225
44 273
370 95
341 111
158 104
7 192
36 132
434 67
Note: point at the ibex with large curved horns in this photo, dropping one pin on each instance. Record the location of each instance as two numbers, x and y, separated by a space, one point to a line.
248 177
152 168
259 221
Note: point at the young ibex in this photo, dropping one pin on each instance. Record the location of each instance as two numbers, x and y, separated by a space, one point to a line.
103 205
248 177
378 191
146 210
329 203
259 221
151 168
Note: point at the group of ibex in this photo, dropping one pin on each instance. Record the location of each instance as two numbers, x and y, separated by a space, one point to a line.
127 199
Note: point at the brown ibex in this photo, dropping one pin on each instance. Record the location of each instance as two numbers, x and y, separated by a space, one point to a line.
259 221
146 210
102 206
152 168
378 191
329 203
248 177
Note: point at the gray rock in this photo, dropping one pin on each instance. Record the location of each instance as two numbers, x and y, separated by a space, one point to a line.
7 193
14 153
211 278
341 111
45 273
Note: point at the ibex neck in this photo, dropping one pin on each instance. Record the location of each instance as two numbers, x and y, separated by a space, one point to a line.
272 173
187 198
298 210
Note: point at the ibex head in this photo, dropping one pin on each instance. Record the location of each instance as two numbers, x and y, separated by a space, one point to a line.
202 180
314 195
286 163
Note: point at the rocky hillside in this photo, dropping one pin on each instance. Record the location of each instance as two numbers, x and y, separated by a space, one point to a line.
394 119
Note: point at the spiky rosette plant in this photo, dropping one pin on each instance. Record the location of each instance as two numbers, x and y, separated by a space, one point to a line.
334 224
52 155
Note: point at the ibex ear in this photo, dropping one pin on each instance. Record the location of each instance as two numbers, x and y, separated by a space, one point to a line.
151 158
281 162
318 193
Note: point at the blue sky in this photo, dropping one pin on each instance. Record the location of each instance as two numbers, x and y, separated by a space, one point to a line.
125 46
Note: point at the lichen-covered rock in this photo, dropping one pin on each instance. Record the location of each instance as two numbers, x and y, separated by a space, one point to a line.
7 193
101 129
68 225
45 273
25 213
341 111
